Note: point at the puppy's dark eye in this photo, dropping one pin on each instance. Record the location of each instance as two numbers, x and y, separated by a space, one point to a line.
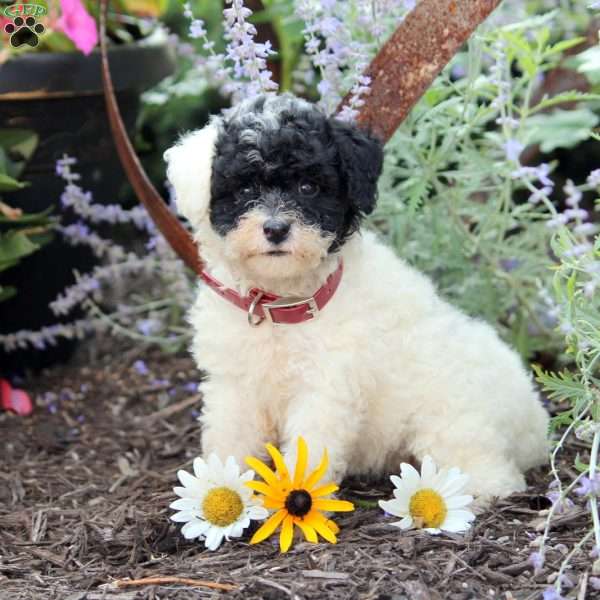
306 188
246 193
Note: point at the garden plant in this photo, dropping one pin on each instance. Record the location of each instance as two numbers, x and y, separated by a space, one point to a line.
491 186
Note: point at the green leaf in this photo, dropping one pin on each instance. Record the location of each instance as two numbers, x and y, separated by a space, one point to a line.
560 129
580 465
8 184
41 218
7 292
560 47
560 386
15 245
587 63
145 8
572 96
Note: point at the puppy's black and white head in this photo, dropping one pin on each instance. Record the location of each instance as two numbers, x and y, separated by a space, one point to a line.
280 185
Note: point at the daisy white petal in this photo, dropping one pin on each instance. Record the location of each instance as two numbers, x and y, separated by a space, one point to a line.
200 468
184 504
258 513
458 501
214 464
231 470
183 492
247 476
189 481
398 483
428 471
402 498
184 516
405 523
455 482
214 537
237 529
456 525
465 515
390 507
410 476
193 529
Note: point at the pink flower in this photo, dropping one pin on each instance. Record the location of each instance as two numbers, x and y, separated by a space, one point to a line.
77 24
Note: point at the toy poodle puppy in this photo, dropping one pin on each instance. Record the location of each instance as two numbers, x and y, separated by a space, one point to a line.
320 330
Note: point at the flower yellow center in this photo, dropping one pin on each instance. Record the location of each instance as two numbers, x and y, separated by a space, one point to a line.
427 508
222 506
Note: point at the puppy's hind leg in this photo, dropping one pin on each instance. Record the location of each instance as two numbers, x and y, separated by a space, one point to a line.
481 453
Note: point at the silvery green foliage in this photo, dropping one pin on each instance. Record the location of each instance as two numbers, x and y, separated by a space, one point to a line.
455 199
575 281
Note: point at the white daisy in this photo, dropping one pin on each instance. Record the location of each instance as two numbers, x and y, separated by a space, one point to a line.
431 500
214 503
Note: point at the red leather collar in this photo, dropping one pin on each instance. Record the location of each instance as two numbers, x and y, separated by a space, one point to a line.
261 305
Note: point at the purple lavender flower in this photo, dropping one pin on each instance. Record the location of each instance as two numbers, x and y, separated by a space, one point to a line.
576 213
585 229
510 264
595 581
197 28
579 249
141 367
589 487
589 288
513 149
509 122
552 593
191 387
557 221
248 57
539 195
573 193
594 178
562 505
148 326
536 559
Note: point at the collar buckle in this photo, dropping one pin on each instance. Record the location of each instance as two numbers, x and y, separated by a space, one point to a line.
255 320
311 303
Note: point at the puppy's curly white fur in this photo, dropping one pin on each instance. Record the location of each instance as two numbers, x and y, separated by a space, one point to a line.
275 192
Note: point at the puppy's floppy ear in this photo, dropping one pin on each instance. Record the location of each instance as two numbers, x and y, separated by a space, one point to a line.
361 161
189 169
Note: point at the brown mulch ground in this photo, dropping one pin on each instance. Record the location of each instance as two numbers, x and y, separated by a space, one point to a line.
86 481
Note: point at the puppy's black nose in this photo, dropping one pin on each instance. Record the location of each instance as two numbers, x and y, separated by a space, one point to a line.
276 230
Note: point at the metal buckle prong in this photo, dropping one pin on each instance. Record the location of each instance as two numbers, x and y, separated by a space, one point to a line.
252 318
313 309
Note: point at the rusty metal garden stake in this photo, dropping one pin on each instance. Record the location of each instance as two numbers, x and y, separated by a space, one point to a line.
413 57
401 72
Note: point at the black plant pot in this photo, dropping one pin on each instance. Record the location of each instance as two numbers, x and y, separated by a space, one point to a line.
59 96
